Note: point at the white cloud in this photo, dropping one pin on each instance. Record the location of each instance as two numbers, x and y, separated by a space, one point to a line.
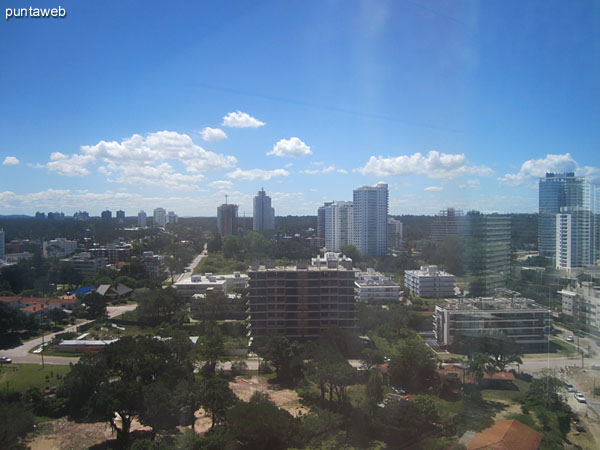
68 166
143 160
213 134
10 161
240 119
292 147
434 188
470 184
221 184
257 174
324 170
435 165
536 168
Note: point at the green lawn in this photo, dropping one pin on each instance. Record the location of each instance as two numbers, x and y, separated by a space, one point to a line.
21 377
506 395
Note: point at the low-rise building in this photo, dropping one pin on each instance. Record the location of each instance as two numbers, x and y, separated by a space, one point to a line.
583 303
58 248
429 282
114 253
12 258
375 288
522 320
227 307
153 264
84 264
199 284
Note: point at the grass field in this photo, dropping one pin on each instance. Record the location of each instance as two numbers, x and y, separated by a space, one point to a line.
20 377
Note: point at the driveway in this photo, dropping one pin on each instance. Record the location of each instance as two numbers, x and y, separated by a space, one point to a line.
21 353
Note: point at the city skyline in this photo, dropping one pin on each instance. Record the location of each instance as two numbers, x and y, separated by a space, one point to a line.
452 105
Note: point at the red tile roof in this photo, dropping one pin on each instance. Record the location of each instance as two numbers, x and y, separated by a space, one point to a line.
35 308
506 435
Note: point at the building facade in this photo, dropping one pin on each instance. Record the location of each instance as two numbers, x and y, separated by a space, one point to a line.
106 215
370 219
395 233
263 213
447 222
58 248
583 303
574 238
172 217
160 217
556 191
321 219
142 219
487 253
121 216
522 320
339 225
301 302
227 219
199 284
429 282
375 288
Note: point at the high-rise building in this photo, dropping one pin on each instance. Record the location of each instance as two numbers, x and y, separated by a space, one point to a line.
121 216
487 252
556 191
82 216
227 219
574 238
142 219
339 225
395 233
172 217
321 219
1 244
264 214
449 221
370 219
301 302
106 215
160 217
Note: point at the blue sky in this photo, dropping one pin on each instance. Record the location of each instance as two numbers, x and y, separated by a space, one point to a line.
135 105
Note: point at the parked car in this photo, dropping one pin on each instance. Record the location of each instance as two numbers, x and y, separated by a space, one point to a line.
571 388
5 360
580 397
569 338
579 427
399 391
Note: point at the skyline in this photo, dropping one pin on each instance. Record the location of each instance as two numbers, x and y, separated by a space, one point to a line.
137 106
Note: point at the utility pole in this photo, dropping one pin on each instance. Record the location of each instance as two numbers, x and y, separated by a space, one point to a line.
42 352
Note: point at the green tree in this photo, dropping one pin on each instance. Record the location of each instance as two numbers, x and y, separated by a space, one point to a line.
216 397
231 246
211 348
259 424
374 389
480 364
351 252
15 422
413 365
214 244
95 305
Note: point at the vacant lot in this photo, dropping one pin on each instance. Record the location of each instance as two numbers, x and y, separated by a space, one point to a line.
286 399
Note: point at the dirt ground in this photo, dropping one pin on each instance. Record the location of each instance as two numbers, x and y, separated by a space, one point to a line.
284 398
63 434
585 380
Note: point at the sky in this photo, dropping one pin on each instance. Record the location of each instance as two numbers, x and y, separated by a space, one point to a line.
144 104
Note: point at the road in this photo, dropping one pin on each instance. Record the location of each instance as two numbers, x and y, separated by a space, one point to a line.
21 354
189 270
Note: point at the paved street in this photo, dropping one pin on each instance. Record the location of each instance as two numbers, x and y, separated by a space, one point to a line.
189 270
21 353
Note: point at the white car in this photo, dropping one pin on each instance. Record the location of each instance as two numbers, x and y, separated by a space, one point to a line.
580 397
569 338
5 360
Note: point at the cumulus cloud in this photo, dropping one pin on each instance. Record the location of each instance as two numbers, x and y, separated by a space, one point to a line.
324 170
435 165
257 174
143 160
434 188
292 147
240 119
537 168
10 161
213 134
221 184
